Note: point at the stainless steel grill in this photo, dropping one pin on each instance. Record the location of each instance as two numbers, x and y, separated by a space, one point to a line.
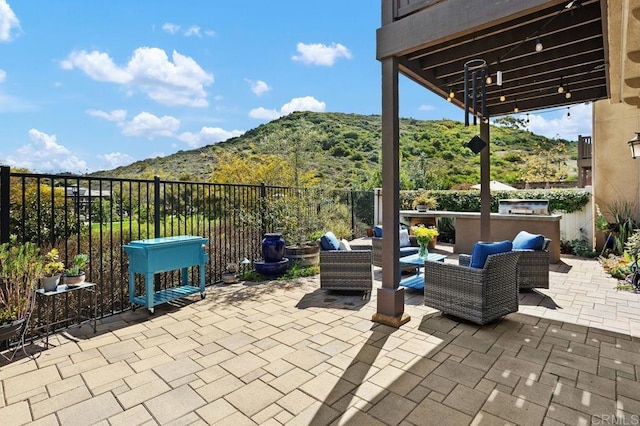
519 206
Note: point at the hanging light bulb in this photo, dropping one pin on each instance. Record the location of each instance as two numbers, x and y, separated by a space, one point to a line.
568 113
502 98
527 121
515 108
567 95
452 94
561 86
539 45
448 99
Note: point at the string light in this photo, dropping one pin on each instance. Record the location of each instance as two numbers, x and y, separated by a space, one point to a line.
539 45
515 108
502 97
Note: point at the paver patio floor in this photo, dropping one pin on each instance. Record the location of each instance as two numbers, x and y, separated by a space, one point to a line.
290 353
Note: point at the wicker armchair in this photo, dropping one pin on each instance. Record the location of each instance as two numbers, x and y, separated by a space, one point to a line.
346 270
477 295
376 249
533 267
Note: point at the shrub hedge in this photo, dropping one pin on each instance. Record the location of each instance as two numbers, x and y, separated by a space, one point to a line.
560 200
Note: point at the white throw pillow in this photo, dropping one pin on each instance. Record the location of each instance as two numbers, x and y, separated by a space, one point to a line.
404 238
344 245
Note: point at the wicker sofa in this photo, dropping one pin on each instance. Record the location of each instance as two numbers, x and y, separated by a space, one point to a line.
477 295
533 267
376 249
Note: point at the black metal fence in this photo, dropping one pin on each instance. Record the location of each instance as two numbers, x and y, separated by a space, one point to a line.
80 214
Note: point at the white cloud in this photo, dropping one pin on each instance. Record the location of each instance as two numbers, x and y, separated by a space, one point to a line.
193 30
144 124
117 115
259 87
264 114
180 82
320 54
116 159
9 22
10 103
48 143
3 76
208 136
45 154
306 103
97 65
426 108
170 28
560 125
150 126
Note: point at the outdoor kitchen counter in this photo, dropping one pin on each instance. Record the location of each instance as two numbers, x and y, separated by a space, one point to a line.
503 227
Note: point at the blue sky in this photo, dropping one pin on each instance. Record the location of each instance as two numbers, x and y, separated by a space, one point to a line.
87 85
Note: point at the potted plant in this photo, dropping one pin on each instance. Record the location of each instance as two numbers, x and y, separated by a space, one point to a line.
20 268
229 274
52 270
75 274
423 202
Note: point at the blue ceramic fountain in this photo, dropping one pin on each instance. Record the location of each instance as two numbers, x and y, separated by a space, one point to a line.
274 263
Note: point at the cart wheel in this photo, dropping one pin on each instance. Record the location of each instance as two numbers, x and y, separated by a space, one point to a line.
202 295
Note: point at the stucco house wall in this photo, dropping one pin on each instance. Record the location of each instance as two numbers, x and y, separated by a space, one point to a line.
616 176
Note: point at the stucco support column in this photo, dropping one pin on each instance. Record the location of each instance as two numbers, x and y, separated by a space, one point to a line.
390 300
485 183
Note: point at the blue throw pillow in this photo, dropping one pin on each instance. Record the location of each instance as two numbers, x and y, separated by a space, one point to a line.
329 241
482 250
377 231
527 241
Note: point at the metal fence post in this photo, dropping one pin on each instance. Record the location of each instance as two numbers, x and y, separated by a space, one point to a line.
353 214
5 190
263 208
156 222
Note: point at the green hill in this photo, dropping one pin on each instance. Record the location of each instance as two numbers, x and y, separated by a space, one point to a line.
344 151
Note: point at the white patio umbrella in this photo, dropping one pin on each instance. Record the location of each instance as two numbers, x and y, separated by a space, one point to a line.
495 185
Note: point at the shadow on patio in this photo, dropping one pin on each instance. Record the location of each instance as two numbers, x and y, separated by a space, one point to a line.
291 354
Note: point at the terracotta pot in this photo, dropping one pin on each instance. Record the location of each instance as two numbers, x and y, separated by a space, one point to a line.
228 278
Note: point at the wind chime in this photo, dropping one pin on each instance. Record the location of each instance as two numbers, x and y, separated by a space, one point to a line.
475 97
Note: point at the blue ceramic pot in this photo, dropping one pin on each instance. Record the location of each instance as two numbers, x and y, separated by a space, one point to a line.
272 247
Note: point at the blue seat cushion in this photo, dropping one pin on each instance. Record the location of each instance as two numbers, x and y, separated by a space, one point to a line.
406 251
482 250
526 241
329 241
377 231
